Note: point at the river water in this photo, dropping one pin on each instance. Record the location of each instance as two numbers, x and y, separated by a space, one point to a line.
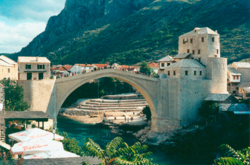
102 136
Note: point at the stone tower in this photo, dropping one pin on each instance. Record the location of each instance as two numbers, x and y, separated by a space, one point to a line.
201 43
204 45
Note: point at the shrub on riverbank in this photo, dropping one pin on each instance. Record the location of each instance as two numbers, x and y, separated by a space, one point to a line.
117 152
229 156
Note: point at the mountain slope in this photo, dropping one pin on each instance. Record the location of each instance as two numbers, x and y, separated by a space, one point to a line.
129 31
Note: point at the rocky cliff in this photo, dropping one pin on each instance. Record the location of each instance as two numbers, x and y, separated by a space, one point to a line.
129 31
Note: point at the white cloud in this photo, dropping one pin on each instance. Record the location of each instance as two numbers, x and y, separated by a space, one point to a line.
38 10
13 38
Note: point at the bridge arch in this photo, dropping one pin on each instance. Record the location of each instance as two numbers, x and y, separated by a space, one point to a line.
147 86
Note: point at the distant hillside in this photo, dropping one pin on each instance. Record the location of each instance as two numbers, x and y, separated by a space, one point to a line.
129 31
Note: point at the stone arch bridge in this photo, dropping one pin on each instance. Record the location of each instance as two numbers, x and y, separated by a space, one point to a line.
171 104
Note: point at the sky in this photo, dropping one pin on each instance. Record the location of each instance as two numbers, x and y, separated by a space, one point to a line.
23 20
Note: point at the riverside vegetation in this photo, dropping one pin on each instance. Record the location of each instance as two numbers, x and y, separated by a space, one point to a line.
128 32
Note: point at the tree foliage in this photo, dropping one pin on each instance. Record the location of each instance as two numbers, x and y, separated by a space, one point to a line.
233 157
147 112
144 68
208 109
13 96
117 152
70 144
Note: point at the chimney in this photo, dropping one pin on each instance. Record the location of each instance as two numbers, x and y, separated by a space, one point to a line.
216 31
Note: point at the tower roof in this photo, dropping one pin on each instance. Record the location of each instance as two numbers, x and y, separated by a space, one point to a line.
187 63
168 58
197 30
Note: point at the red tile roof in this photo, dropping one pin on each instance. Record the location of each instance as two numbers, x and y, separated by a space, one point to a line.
84 65
124 66
101 65
153 65
67 67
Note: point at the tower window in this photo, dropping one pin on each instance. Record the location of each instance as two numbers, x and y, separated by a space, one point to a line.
200 72
183 41
186 72
199 51
168 64
217 51
191 40
202 39
188 51
162 64
174 73
28 66
193 52
169 73
8 70
195 73
212 39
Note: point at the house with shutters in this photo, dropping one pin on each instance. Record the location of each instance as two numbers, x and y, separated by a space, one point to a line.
33 68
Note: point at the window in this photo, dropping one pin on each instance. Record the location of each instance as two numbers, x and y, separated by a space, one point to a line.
174 73
191 40
234 77
168 64
195 73
202 39
217 51
199 59
28 66
200 72
212 39
8 70
186 72
162 64
169 73
40 66
188 51
40 76
199 51
183 41
29 76
237 77
193 52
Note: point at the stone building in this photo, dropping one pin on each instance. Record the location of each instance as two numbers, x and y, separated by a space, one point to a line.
2 110
196 71
164 62
33 68
8 68
238 73
81 68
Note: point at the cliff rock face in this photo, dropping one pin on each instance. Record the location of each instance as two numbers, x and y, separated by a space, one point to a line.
130 31
80 15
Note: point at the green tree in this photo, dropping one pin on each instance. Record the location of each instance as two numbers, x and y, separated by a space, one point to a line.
232 157
13 96
147 112
208 109
144 68
117 152
70 144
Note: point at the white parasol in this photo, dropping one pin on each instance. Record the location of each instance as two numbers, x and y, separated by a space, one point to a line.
33 134
52 154
35 146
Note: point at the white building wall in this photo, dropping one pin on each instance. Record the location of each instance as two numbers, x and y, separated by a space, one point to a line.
23 71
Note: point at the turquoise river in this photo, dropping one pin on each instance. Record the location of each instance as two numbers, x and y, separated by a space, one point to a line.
102 136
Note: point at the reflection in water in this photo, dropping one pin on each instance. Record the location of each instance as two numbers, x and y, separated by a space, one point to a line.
102 136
